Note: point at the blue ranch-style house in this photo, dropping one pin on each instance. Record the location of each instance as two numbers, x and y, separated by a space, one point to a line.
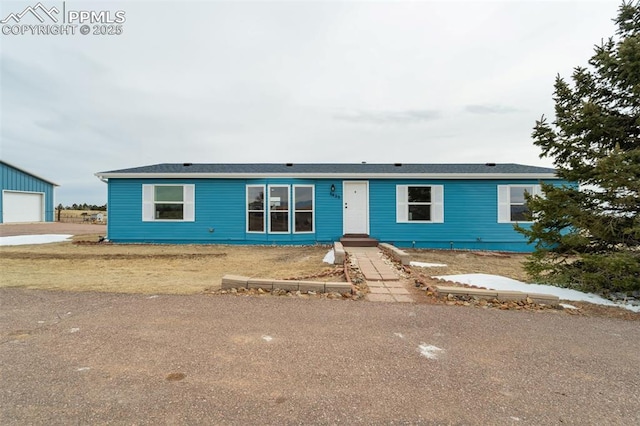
459 206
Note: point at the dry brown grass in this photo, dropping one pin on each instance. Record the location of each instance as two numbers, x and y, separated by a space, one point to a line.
79 213
186 269
79 216
468 262
149 269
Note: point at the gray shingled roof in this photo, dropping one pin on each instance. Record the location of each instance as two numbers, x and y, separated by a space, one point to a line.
332 168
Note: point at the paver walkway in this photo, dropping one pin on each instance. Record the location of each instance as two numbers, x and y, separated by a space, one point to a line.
383 281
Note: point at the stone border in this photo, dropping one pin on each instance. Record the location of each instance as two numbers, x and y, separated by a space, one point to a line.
516 296
400 255
238 281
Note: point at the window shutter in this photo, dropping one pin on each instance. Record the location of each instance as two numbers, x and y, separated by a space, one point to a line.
504 207
147 203
402 209
189 203
437 204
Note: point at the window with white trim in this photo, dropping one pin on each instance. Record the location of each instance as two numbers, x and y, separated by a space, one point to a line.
269 209
512 203
303 203
278 209
255 208
419 203
172 203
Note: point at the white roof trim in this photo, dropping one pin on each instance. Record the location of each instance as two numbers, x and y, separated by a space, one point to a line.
327 175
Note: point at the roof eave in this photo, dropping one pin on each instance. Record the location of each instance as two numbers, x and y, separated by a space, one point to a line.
452 176
30 174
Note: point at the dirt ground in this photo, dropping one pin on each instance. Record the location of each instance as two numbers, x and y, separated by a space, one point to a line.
192 269
11 229
130 359
467 262
150 269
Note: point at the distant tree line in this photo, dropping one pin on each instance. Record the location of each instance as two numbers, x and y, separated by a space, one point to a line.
83 206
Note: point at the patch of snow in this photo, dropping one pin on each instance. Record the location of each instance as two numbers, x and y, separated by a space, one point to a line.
429 351
267 338
330 257
427 265
155 296
398 335
74 330
20 240
83 369
567 306
497 282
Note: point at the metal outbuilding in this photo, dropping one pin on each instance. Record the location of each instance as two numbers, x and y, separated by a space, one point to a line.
26 197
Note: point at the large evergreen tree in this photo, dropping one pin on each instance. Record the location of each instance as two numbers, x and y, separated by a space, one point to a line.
588 236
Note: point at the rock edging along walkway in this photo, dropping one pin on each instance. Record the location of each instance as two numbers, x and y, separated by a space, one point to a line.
398 254
237 281
507 296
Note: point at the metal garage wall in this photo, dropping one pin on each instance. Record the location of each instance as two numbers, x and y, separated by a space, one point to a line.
14 179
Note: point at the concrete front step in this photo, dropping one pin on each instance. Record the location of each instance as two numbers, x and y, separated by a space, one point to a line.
358 240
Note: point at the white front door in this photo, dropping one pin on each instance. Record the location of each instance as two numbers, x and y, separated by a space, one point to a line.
355 208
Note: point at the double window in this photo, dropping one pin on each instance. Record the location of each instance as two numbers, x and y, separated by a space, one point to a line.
419 203
269 208
168 203
512 203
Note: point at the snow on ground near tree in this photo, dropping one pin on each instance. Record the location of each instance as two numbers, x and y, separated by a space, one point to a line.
329 257
19 240
497 282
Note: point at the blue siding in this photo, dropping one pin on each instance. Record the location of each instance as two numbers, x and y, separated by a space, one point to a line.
220 215
470 215
12 179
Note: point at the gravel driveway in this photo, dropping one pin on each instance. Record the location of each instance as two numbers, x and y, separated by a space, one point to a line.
87 358
11 229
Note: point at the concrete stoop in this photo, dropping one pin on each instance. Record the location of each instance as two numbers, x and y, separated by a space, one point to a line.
237 281
358 240
506 296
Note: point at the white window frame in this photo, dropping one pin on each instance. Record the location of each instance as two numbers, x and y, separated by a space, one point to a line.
504 201
437 203
313 208
268 201
149 202
264 208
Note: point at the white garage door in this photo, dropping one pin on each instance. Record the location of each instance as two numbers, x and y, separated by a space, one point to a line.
22 207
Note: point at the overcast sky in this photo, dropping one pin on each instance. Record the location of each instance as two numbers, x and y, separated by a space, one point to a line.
420 82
